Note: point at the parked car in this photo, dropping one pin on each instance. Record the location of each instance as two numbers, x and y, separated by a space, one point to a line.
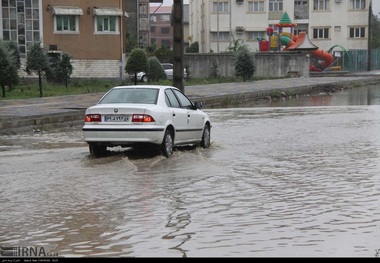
133 116
168 68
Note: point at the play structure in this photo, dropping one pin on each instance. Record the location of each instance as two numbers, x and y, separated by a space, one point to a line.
286 40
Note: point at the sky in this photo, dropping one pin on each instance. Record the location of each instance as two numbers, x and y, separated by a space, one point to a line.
375 5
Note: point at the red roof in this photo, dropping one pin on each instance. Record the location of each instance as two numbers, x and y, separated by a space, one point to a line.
160 9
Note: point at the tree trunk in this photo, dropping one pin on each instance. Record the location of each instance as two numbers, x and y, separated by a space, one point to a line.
40 83
3 88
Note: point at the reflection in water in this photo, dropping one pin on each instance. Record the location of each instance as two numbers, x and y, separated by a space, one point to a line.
277 181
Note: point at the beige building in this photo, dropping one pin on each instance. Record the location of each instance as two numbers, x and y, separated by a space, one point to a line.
216 23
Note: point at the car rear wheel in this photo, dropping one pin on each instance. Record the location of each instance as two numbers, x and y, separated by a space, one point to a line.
144 78
167 144
206 137
97 150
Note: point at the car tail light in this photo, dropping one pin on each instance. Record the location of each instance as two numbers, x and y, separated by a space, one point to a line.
93 118
142 118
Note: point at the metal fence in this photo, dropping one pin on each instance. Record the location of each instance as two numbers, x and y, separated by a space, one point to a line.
356 60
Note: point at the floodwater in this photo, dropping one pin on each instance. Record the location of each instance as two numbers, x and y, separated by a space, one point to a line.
292 178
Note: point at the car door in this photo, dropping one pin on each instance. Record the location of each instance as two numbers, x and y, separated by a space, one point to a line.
195 118
180 116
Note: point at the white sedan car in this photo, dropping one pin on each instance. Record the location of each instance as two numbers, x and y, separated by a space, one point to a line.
168 68
133 116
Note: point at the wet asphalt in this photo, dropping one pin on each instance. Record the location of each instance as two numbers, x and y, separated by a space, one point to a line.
26 114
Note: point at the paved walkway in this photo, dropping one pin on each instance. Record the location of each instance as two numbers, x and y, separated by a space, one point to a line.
26 112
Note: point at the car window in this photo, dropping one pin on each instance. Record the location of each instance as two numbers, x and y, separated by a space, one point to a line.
171 99
128 95
185 102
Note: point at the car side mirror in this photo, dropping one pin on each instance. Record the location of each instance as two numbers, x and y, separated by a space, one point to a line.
198 105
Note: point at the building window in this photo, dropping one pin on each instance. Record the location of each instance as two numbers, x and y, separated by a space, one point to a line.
320 33
165 43
357 4
255 35
321 4
153 18
221 7
221 36
255 6
152 29
143 10
357 32
165 30
106 24
66 23
165 18
275 5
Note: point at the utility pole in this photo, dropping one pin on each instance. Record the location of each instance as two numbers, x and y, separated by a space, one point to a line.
178 66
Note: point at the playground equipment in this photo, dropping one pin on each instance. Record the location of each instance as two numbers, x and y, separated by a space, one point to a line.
287 41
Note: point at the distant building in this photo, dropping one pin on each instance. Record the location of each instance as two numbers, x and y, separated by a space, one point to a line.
216 23
161 26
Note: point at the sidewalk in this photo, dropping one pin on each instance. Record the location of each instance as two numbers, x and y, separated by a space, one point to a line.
26 114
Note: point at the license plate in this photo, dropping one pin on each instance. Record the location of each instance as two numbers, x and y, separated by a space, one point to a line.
116 118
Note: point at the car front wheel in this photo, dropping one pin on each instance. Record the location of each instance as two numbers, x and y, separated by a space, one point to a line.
97 150
167 144
206 137
144 78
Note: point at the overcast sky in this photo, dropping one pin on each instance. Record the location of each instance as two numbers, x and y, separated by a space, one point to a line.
375 5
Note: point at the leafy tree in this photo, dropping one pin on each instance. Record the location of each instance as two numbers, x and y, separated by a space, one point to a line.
4 65
236 45
64 69
156 71
164 54
244 64
375 39
37 62
8 66
214 71
131 43
137 62
193 48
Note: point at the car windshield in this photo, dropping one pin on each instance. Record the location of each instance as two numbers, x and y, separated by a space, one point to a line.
131 95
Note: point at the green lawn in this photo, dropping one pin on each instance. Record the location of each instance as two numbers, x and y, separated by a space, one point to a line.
26 90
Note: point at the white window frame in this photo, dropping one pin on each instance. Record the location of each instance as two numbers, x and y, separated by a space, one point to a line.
359 32
256 6
357 4
254 35
276 5
68 31
321 5
224 7
104 20
323 31
223 36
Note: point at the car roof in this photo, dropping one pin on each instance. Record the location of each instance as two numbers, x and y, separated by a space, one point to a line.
161 87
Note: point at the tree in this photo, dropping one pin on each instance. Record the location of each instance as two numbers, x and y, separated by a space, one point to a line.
37 62
137 62
9 64
375 39
64 69
244 64
193 48
156 71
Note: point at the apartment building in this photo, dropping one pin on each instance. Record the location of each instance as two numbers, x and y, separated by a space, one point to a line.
161 26
92 32
216 23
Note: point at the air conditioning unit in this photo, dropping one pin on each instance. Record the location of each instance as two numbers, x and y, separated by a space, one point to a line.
239 1
338 1
240 29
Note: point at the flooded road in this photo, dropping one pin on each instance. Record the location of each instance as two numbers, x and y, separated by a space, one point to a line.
293 179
